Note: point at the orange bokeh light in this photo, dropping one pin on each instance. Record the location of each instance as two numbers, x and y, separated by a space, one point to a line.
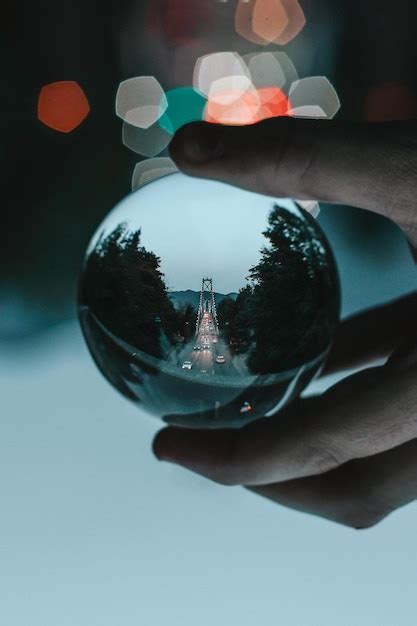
248 107
296 22
269 21
62 105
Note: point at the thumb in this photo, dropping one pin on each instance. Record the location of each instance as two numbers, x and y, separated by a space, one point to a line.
371 166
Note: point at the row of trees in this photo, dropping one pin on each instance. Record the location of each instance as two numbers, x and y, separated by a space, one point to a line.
124 287
287 314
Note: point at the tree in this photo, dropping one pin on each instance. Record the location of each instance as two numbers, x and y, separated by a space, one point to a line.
295 302
124 288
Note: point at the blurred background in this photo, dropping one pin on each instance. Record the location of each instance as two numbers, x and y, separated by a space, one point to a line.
93 530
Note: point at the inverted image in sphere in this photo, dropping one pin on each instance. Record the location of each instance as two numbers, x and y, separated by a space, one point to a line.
206 305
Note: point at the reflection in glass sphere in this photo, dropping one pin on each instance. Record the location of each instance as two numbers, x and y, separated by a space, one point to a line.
206 305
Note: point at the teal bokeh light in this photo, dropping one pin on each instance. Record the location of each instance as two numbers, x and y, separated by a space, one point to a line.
185 105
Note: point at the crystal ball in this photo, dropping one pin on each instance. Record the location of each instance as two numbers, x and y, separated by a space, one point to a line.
206 305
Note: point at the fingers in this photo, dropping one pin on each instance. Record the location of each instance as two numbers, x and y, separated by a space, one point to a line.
372 334
365 414
358 494
372 166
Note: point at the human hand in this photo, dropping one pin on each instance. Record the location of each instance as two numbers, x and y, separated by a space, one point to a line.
350 454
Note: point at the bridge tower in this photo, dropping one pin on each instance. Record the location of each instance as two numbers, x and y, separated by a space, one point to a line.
207 304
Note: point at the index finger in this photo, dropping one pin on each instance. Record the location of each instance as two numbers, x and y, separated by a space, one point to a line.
371 166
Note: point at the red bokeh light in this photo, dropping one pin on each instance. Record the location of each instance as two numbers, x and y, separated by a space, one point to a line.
389 102
248 107
62 105
179 21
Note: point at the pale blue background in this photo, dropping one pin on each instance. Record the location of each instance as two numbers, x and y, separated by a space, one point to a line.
95 532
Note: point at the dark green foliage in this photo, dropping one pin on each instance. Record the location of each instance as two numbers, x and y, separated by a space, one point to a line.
287 314
124 288
295 296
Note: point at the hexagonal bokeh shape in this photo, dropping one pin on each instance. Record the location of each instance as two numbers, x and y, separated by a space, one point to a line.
148 142
271 69
62 105
266 70
149 170
269 19
140 101
213 67
315 91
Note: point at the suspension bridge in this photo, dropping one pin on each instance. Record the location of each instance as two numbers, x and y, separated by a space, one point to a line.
207 323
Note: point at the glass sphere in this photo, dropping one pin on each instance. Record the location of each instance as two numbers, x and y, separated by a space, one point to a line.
207 305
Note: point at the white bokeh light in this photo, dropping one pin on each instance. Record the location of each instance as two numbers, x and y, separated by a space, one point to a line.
149 142
308 111
140 101
227 90
271 69
314 91
149 170
220 65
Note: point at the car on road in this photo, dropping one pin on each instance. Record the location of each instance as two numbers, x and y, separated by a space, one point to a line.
187 365
220 359
206 347
197 348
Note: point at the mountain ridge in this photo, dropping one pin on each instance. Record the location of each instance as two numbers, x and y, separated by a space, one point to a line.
189 296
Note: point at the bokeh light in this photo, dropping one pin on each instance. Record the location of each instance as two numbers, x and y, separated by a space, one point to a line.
248 107
220 65
243 22
148 142
62 105
140 101
185 105
390 101
316 91
296 22
311 110
269 21
227 90
243 110
271 69
149 170
180 22
274 102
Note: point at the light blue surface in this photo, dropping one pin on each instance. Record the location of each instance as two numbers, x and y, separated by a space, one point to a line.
95 532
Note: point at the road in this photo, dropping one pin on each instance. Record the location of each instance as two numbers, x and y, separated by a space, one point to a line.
209 345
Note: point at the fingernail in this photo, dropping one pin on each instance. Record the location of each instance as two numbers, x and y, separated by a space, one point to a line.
197 143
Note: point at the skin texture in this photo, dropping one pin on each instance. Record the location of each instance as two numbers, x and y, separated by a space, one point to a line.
349 455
